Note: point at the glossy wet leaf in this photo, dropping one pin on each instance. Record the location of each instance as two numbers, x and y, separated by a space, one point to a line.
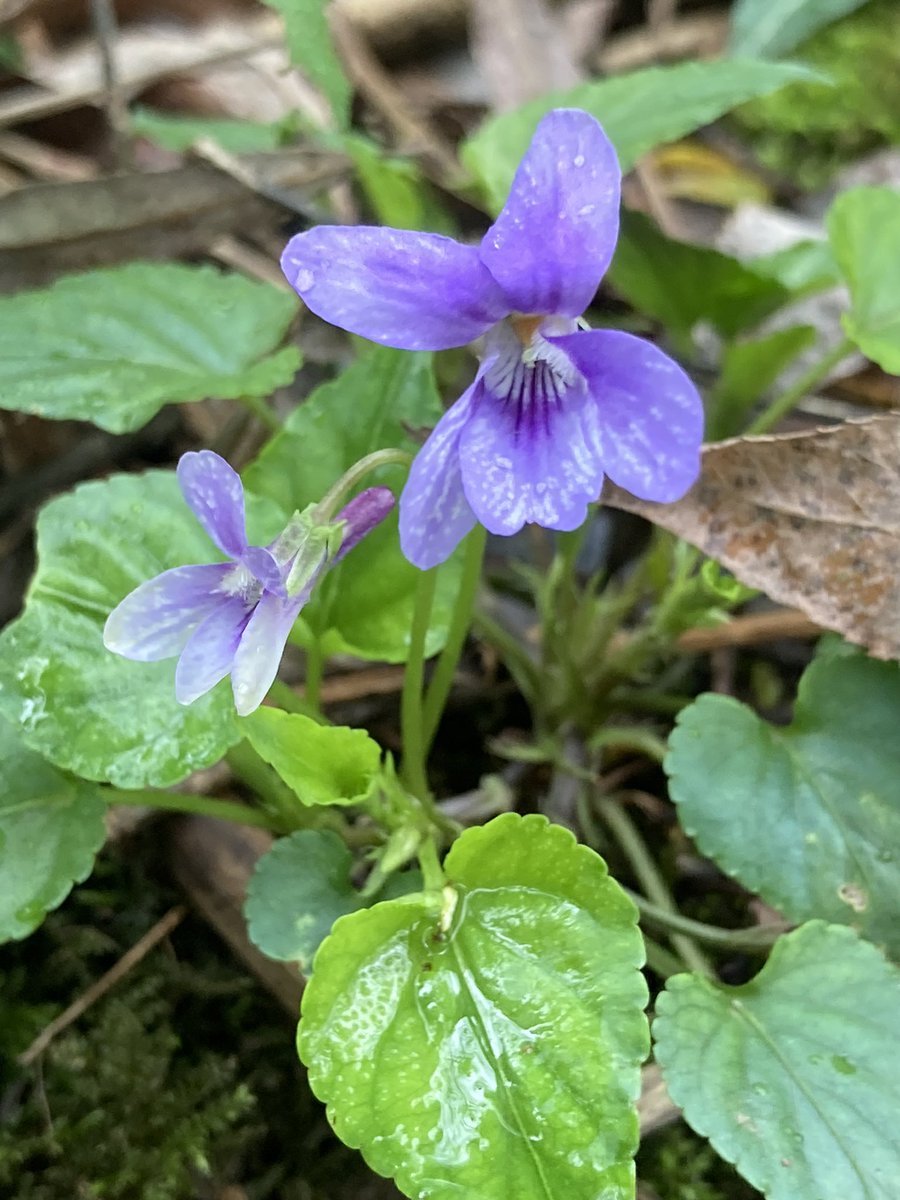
792 1076
114 346
51 826
638 110
770 28
370 406
493 1049
808 814
84 708
297 891
681 284
322 764
864 228
312 50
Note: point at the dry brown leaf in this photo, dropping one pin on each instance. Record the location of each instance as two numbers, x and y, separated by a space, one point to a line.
811 519
521 49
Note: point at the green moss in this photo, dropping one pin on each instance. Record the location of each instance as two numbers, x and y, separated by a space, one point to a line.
808 131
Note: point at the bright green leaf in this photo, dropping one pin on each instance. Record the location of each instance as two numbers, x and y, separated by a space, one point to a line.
793 1076
311 49
803 268
114 346
680 284
770 28
84 708
395 188
364 606
749 369
639 111
237 137
296 893
864 228
491 1050
321 764
50 829
807 815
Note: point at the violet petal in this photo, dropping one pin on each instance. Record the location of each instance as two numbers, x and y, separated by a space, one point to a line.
261 647
537 463
554 239
157 618
216 495
362 514
415 291
650 412
264 567
210 652
434 513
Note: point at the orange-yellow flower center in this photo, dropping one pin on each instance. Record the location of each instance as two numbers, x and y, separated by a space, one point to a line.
526 325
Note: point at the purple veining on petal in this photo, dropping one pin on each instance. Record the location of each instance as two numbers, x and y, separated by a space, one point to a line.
156 619
415 291
215 494
650 413
210 651
265 568
552 243
434 512
262 643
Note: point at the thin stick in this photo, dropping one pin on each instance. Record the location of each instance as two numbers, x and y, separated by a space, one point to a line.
106 29
129 960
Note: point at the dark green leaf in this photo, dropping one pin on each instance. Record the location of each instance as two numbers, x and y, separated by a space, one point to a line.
749 369
364 606
237 137
321 764
864 228
490 1047
770 28
50 829
79 705
793 1076
639 111
807 815
114 346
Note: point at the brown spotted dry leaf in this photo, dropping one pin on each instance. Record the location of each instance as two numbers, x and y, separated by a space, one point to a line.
811 519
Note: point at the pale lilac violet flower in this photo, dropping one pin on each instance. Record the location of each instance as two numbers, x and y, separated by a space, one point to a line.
554 406
232 617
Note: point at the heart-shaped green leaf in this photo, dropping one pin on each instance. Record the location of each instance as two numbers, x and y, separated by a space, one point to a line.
793 1076
807 815
50 829
490 1048
322 764
114 346
864 228
79 705
639 110
364 606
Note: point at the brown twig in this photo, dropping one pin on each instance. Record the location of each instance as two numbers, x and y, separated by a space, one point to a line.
106 30
751 629
97 990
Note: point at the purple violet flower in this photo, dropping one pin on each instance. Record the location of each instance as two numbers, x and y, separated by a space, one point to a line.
555 406
233 617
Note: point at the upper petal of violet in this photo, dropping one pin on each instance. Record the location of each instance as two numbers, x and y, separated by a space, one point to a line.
555 237
157 618
415 291
650 414
215 493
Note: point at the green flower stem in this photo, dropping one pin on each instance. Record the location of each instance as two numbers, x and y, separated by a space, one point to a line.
442 680
433 876
411 706
660 960
204 806
334 497
625 832
283 809
260 409
782 405
760 938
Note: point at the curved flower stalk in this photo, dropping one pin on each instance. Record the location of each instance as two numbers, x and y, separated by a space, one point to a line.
555 406
234 618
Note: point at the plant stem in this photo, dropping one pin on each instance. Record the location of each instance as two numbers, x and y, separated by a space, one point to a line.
782 405
204 806
260 409
660 960
331 501
432 873
288 699
411 706
626 834
442 680
760 938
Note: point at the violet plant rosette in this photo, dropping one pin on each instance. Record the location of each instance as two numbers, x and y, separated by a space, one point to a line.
233 618
555 406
